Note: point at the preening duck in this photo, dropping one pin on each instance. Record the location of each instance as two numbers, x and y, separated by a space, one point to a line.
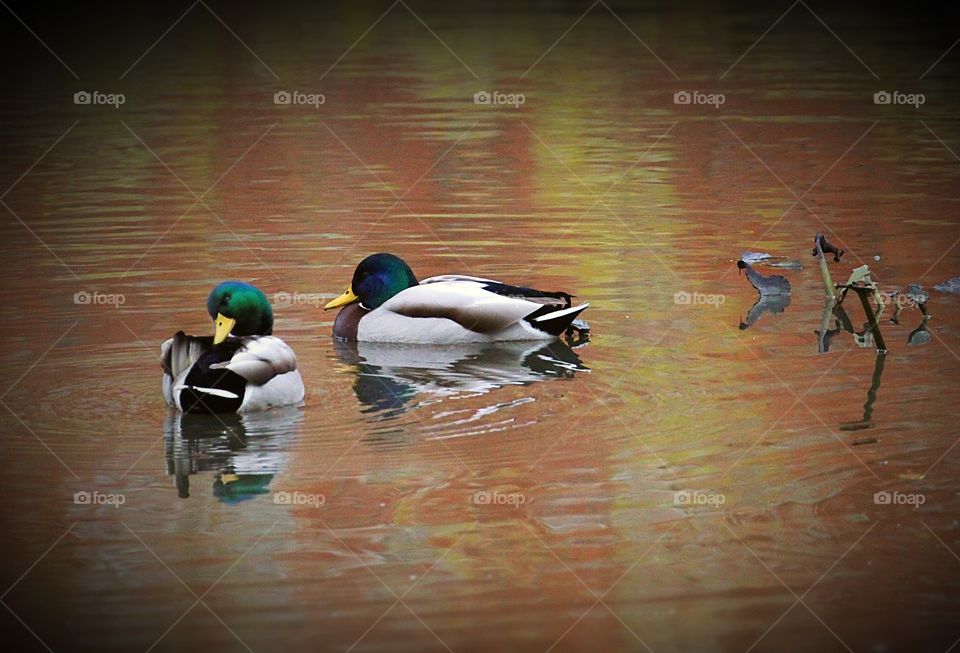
386 303
241 367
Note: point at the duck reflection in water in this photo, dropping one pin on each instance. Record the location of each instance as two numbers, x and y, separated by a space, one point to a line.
243 451
389 376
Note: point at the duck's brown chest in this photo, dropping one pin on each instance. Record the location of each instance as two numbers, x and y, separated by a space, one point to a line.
348 321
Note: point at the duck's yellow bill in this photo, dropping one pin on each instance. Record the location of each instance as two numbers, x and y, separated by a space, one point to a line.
224 325
344 299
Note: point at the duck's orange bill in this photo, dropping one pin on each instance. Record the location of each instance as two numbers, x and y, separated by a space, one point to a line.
346 298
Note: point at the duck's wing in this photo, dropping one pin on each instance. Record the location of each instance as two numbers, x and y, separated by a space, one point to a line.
444 278
558 299
260 359
485 306
270 369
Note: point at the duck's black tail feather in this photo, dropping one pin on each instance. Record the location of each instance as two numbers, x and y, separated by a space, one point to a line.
554 321
213 390
203 390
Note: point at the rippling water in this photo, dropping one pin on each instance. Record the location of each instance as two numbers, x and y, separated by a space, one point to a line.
694 477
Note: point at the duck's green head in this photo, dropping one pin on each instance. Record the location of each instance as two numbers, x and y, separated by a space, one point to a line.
378 278
239 309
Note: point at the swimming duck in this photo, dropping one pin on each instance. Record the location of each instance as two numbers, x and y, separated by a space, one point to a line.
386 303
241 367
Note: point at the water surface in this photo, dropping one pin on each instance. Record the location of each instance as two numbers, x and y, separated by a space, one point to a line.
676 483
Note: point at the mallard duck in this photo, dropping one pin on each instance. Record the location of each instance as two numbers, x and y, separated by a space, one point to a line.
241 367
386 303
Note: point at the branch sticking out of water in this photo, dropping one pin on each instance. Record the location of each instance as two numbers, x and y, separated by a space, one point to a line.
828 286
